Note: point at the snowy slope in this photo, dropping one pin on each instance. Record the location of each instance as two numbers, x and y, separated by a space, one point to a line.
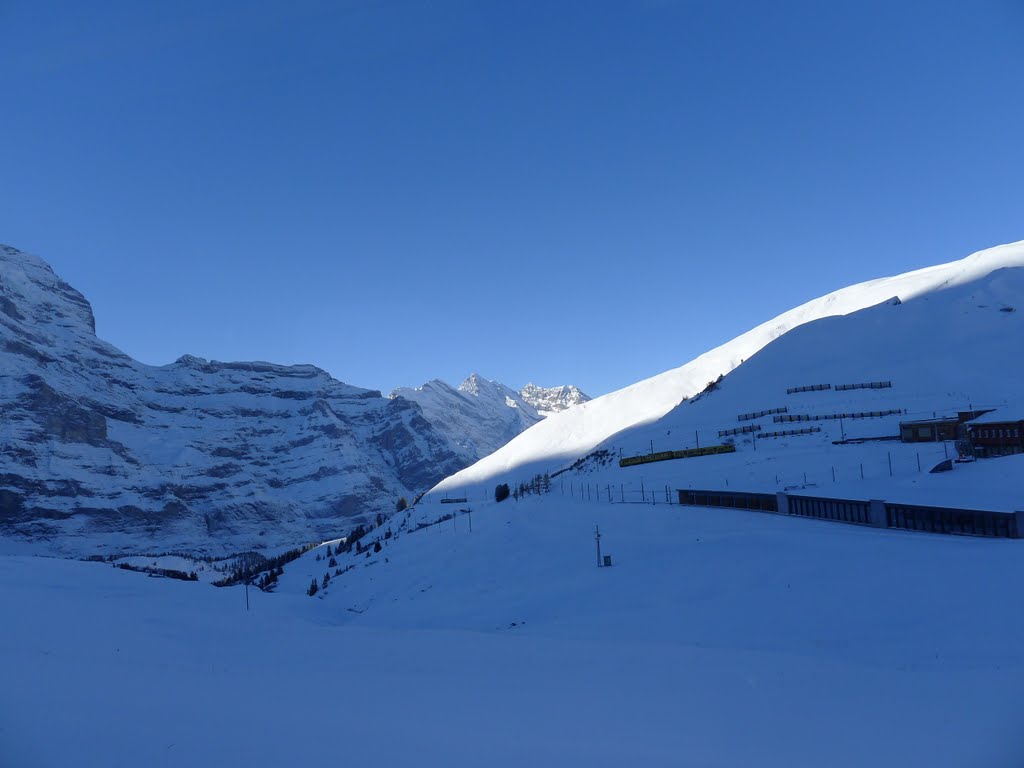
564 437
719 638
99 452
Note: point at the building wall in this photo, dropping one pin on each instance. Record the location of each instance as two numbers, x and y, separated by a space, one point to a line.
997 439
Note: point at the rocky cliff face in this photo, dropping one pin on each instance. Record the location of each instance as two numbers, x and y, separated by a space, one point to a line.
481 415
549 400
100 453
477 418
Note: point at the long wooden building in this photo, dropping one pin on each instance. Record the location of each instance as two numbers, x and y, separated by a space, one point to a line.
999 433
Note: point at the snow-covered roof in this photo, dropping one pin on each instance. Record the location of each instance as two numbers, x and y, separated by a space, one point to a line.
1000 416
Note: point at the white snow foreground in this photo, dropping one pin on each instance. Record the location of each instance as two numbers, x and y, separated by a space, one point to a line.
718 637
944 345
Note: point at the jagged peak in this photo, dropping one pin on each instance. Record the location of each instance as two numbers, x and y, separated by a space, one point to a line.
30 281
473 383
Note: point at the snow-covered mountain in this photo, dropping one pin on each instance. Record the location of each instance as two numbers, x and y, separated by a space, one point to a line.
99 452
550 400
481 415
966 358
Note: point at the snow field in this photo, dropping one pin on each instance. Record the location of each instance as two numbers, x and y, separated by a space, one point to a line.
719 637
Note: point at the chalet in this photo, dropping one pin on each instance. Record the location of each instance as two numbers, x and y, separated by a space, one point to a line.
929 430
937 429
999 433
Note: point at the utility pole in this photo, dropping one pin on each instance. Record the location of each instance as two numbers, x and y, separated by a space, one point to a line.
597 540
247 594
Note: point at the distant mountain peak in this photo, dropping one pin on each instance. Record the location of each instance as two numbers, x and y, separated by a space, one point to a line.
473 384
549 400
30 289
482 415
104 453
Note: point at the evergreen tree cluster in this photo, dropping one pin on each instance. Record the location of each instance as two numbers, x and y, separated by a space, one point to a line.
268 580
250 564
167 573
537 485
501 492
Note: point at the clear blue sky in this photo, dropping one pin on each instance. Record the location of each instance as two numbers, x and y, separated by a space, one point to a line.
585 192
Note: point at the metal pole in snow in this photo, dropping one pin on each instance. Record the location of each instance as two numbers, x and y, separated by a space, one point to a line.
889 454
597 540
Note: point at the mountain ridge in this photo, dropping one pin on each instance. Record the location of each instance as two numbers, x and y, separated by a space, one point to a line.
480 415
568 436
100 452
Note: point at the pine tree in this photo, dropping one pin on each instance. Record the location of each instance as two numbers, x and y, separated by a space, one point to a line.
327 580
313 588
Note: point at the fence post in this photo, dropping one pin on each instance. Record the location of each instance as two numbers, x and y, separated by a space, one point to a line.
782 501
876 513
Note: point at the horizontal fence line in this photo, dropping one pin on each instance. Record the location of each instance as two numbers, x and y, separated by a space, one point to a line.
875 513
739 430
788 432
865 385
785 418
809 388
759 414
